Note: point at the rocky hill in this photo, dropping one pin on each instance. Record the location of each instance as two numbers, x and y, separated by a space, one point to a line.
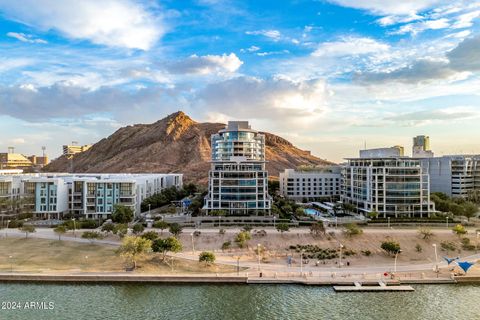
173 144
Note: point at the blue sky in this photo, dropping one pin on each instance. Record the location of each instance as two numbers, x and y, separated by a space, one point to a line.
329 75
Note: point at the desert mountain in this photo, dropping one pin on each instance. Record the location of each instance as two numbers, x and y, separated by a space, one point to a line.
173 144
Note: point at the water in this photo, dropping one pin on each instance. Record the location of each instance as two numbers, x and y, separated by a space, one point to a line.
132 301
311 211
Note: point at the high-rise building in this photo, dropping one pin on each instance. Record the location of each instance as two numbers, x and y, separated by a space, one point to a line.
393 186
454 175
313 184
238 180
421 147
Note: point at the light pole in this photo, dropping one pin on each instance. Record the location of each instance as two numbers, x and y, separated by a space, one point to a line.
11 263
447 222
86 261
388 219
258 256
395 264
301 262
193 244
238 265
436 258
336 222
274 217
340 257
149 206
74 234
8 222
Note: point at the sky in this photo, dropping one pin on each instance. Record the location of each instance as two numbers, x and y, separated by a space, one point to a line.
329 75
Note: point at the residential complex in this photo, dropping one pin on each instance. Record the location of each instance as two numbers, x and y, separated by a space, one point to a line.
86 195
238 180
312 185
70 150
391 186
455 175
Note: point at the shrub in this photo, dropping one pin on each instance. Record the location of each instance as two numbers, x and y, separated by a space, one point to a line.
175 229
418 248
390 246
87 224
426 233
108 227
15 224
459 230
221 231
317 228
226 245
466 245
352 229
448 246
283 227
366 253
197 233
161 225
207 257
92 235
242 238
138 228
150 235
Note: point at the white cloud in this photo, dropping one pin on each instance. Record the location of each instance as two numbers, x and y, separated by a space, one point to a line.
18 140
250 49
272 34
269 53
417 27
466 20
206 64
349 46
25 37
385 7
108 22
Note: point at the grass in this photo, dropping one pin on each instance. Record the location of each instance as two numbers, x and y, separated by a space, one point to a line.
48 256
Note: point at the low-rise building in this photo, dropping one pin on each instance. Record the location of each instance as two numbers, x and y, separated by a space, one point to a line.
312 184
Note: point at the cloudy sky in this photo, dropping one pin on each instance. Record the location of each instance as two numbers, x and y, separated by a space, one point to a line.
329 75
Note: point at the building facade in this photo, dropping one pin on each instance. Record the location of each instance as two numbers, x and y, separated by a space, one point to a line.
313 185
238 180
455 175
92 196
421 147
395 151
393 186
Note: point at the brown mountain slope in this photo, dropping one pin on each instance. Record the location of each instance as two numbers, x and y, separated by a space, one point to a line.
173 144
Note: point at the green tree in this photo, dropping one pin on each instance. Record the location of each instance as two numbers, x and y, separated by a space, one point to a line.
207 257
162 225
133 248
28 229
352 229
122 214
150 235
138 228
348 207
283 227
470 210
459 230
426 233
242 238
175 229
60 230
317 228
120 230
373 215
299 211
108 227
92 235
390 246
170 244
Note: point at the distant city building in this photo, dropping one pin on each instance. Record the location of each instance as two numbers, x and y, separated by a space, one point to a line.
39 161
421 147
238 180
86 195
390 186
313 184
454 175
70 150
396 151
10 160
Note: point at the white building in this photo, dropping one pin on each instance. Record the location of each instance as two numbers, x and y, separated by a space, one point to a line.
238 181
395 151
313 184
393 186
454 175
86 195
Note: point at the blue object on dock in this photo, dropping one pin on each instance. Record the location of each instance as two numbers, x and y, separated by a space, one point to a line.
465 265
450 260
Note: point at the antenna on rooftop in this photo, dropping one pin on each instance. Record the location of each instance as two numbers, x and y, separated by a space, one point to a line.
43 151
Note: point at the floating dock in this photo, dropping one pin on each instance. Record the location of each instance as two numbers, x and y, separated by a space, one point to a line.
379 287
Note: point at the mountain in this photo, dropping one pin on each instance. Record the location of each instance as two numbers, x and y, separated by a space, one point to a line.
174 144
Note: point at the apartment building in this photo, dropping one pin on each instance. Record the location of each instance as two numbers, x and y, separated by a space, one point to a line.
86 195
238 180
421 147
312 184
391 186
454 175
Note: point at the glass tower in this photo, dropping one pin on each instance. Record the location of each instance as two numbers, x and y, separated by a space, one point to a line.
238 181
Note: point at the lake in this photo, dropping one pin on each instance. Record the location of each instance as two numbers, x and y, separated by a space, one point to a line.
160 301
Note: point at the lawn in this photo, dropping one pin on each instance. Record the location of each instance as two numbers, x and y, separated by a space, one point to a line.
48 256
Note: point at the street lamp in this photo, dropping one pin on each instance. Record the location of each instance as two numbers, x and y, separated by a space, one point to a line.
149 205
301 261
274 217
74 234
11 263
8 222
86 261
388 219
238 265
258 256
340 257
447 222
436 258
193 244
395 264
